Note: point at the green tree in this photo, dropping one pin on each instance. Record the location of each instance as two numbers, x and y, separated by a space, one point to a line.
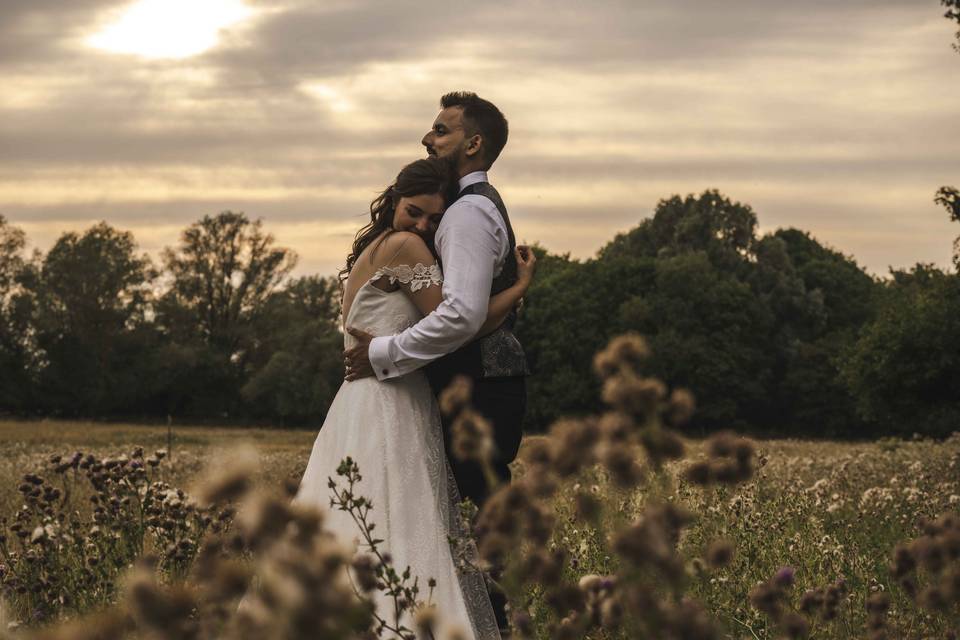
953 13
88 299
222 274
220 278
904 370
15 379
296 367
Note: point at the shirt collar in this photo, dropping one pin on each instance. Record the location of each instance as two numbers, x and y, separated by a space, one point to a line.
472 178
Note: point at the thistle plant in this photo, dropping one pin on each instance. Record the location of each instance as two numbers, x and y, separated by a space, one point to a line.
626 446
58 556
376 570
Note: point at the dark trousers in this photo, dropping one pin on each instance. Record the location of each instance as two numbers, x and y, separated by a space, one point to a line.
502 401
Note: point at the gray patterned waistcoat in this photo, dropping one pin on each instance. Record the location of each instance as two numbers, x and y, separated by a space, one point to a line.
498 354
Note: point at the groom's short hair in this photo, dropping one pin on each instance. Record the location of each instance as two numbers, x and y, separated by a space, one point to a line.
480 116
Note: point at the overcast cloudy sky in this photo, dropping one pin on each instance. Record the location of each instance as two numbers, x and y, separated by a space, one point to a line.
834 116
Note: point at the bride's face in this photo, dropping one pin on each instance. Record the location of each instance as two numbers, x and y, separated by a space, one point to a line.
420 214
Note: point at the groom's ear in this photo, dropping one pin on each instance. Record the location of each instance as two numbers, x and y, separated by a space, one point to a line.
474 145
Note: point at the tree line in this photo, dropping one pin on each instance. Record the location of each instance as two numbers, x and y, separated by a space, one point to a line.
218 331
774 333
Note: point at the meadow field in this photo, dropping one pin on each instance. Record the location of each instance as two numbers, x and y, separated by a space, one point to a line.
829 514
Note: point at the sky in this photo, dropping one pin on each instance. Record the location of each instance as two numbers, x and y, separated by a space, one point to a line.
836 117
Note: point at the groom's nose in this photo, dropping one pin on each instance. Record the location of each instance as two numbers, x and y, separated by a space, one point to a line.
427 139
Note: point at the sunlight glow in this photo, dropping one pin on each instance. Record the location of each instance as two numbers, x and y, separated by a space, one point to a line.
170 28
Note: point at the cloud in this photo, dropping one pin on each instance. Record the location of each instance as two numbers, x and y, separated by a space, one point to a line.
838 119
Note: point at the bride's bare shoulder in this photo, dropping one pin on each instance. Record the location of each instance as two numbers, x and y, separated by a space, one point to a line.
400 247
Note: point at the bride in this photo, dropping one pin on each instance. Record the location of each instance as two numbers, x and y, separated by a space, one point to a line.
392 429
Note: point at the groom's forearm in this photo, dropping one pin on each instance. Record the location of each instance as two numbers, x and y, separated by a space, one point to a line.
445 330
468 250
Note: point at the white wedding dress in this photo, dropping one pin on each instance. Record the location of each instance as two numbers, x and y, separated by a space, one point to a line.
392 430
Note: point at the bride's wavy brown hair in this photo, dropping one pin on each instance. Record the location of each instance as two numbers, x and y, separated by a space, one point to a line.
427 176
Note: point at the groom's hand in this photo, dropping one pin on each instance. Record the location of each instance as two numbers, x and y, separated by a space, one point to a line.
357 358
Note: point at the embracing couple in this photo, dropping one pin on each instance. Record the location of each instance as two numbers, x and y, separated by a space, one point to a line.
429 293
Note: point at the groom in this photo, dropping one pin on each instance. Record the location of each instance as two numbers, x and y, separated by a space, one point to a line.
475 244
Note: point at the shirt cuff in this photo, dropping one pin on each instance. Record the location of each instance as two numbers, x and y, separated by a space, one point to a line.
383 366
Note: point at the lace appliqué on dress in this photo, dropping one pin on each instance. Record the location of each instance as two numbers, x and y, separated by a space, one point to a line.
418 276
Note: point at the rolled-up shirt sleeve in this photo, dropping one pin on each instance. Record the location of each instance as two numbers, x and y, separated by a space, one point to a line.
470 241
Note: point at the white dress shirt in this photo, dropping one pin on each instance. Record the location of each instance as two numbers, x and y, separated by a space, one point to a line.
473 245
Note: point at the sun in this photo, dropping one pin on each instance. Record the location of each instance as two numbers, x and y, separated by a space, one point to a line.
169 28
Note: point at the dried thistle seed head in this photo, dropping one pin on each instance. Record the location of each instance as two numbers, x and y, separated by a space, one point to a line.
929 553
454 633
611 613
795 625
456 396
229 479
587 506
472 437
687 619
681 407
617 427
365 572
572 443
719 553
632 394
622 464
904 562
262 519
590 583
878 602
536 451
425 620
624 353
721 445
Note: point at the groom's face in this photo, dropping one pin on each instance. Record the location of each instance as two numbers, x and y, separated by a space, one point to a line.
447 138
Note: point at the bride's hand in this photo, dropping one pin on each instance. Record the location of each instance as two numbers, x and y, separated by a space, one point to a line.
526 265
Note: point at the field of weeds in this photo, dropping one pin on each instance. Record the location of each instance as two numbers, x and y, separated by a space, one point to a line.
816 524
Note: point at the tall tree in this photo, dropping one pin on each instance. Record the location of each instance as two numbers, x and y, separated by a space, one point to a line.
953 13
295 366
220 278
14 336
904 369
89 297
222 274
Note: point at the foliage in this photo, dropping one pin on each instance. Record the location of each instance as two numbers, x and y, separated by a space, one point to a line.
295 361
14 341
58 556
754 323
87 300
222 274
904 369
953 13
949 197
602 535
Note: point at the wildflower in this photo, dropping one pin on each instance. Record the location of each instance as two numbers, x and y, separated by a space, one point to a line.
784 577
